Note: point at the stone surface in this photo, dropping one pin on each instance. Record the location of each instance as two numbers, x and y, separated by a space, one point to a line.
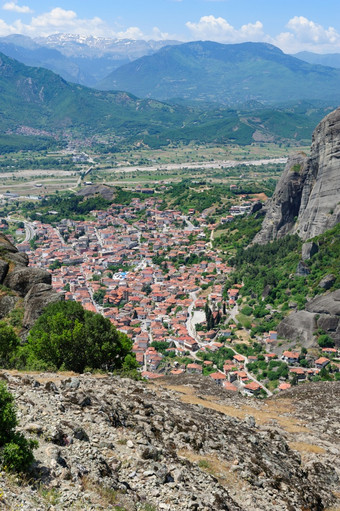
37 298
22 280
142 446
302 269
307 197
7 304
6 246
105 191
327 282
24 288
308 250
283 208
4 266
322 312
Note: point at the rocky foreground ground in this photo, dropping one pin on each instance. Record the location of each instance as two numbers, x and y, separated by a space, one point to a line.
177 444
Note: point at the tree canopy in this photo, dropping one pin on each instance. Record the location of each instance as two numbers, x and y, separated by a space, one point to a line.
68 337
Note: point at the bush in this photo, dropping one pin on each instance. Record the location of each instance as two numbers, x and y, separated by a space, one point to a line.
16 452
325 341
246 310
17 455
69 337
9 343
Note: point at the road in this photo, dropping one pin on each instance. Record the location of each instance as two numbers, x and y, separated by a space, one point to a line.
29 232
192 332
29 228
190 225
250 376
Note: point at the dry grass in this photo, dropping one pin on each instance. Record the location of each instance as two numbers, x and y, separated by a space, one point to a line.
244 336
105 496
303 447
260 196
264 412
42 377
215 467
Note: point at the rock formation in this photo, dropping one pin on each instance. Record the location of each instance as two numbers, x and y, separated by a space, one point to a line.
109 443
307 197
105 191
322 312
22 286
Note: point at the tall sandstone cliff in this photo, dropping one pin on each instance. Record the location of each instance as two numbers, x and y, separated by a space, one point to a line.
307 197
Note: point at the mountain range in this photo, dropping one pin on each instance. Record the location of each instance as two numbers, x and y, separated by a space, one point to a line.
94 62
226 73
83 60
37 101
327 59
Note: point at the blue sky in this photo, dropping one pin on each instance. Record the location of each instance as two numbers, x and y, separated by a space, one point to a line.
293 25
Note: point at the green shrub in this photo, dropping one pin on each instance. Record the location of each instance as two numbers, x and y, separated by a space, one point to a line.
17 455
325 341
9 343
66 336
16 452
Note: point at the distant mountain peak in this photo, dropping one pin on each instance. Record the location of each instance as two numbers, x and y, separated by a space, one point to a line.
226 73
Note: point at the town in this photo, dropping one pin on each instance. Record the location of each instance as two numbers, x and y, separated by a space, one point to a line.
155 275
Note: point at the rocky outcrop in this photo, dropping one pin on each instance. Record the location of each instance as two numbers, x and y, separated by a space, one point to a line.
327 281
105 191
22 280
38 297
142 447
307 197
283 208
308 250
23 286
322 312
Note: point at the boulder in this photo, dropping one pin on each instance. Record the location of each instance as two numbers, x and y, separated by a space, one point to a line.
302 269
308 250
22 279
328 303
6 245
37 298
327 282
322 312
7 304
18 258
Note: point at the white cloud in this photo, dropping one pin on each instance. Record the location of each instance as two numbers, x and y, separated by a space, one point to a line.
59 20
301 34
305 34
218 29
13 6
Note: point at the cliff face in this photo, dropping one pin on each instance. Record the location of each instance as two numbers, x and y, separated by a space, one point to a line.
23 288
307 197
323 312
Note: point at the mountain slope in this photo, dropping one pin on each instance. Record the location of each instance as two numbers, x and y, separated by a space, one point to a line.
227 74
31 54
36 100
40 99
179 444
83 60
327 59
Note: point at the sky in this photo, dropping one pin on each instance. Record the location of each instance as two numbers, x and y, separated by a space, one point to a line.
292 25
